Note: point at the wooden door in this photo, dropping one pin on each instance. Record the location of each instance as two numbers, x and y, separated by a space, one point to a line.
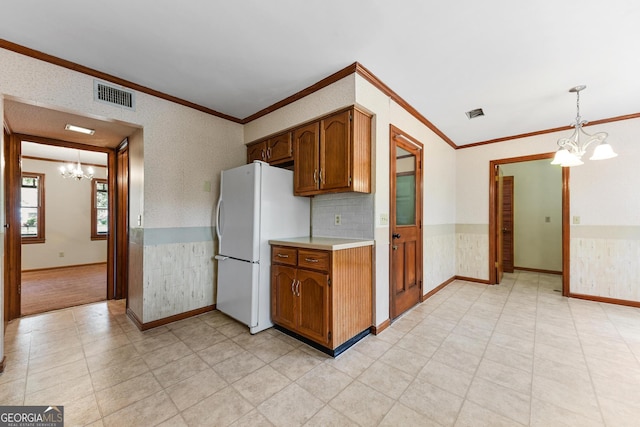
283 296
13 238
507 224
305 157
335 151
406 225
122 221
313 314
499 239
279 148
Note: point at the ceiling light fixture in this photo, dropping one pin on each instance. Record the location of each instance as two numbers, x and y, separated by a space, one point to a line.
80 129
572 149
75 171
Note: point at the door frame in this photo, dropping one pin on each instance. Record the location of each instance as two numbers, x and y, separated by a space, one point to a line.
493 229
13 251
395 135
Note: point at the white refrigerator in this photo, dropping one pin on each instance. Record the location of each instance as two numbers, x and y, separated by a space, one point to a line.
256 204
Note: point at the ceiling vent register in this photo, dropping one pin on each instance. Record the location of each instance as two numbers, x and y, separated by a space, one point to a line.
475 113
113 95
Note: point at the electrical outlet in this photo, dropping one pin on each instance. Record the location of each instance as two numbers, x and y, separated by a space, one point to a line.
206 187
547 219
61 254
338 220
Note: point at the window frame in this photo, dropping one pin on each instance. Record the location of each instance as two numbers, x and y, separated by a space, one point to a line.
40 228
94 209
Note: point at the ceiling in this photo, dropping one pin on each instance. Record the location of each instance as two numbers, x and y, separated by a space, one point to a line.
515 59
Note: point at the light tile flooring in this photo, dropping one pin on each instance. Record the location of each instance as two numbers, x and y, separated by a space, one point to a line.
472 355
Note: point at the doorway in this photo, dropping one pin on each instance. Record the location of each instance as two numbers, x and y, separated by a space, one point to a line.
65 260
501 229
405 216
51 128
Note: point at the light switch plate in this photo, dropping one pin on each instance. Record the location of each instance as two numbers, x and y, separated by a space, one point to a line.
384 219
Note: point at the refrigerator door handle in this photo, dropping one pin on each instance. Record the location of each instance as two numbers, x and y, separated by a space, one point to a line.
218 210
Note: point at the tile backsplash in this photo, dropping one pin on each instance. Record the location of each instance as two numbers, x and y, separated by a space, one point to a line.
356 212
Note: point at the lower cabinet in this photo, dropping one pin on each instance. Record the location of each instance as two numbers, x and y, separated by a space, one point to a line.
322 297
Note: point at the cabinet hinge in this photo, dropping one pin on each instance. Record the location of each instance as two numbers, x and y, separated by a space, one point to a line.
329 336
349 180
350 116
329 282
497 178
496 264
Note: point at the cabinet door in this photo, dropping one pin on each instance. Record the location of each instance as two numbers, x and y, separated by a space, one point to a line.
257 152
335 152
314 298
305 159
283 297
280 148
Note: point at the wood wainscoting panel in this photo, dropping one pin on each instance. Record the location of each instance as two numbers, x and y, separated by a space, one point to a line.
353 292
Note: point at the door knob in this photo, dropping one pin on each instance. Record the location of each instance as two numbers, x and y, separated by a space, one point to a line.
395 235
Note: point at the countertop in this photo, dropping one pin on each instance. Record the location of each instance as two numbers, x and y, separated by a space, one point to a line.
322 243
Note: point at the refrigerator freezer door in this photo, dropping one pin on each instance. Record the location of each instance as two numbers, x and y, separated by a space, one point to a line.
239 297
238 213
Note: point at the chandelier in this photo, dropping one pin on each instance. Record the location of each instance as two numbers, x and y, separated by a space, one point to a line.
572 149
75 171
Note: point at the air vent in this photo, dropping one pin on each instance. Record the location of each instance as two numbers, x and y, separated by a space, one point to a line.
113 95
475 113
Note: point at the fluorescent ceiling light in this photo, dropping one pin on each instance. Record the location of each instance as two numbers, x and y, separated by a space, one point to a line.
80 129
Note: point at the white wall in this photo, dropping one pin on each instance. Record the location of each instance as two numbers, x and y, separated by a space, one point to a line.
604 246
67 221
537 196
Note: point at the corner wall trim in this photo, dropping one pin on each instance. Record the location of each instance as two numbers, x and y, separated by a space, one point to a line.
161 322
606 300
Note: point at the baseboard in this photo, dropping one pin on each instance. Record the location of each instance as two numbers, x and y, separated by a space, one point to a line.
166 320
384 325
63 266
375 330
3 364
538 270
606 300
433 291
472 279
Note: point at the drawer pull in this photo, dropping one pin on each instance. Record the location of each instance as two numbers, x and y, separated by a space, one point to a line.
282 256
311 259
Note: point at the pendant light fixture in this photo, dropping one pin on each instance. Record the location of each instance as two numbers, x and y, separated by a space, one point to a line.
75 171
572 149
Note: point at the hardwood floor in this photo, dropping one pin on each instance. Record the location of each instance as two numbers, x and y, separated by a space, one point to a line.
52 289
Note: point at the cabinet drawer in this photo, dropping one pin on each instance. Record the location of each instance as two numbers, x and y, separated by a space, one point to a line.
316 260
282 255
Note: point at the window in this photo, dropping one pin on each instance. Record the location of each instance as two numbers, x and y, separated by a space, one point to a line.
99 209
32 207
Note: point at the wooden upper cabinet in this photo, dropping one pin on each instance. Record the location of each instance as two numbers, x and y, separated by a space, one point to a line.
342 160
280 148
306 143
335 152
257 151
275 150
